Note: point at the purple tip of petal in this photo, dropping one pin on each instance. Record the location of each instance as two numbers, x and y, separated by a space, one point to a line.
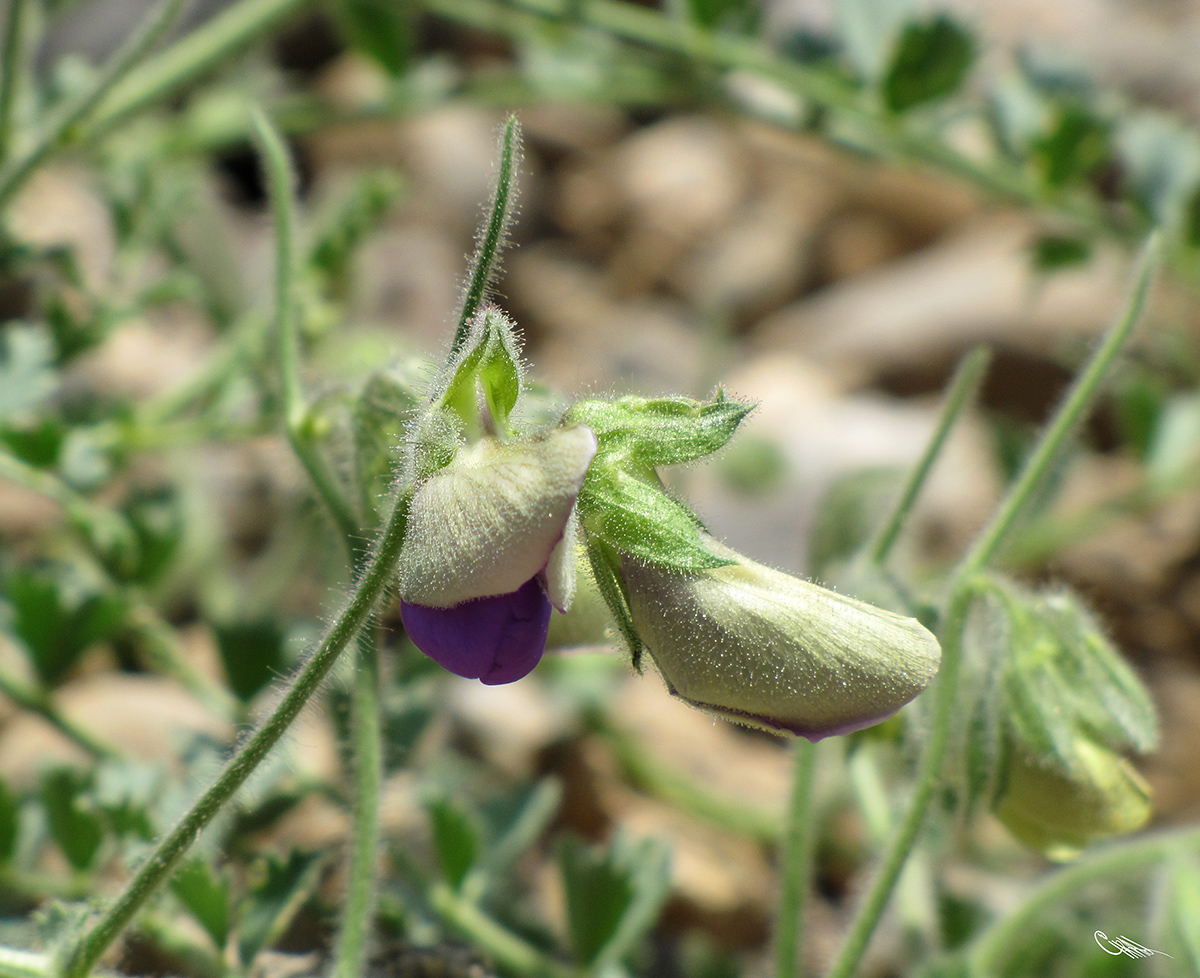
496 640
797 727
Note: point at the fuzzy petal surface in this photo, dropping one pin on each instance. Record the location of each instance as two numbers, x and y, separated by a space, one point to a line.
490 520
767 649
497 639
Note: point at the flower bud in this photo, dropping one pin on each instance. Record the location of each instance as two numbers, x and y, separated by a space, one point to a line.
1061 807
487 551
763 648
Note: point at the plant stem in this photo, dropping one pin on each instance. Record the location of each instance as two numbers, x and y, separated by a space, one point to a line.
10 65
963 386
14 175
188 58
487 255
161 647
107 533
281 180
367 732
991 949
1080 397
950 633
81 955
367 737
796 868
23 964
510 951
665 32
666 782
39 703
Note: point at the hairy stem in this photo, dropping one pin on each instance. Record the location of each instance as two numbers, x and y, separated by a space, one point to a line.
10 66
990 951
14 175
367 727
509 950
963 386
950 632
367 738
796 867
491 241
81 955
182 62
281 180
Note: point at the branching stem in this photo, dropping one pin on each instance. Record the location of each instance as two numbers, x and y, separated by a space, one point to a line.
950 632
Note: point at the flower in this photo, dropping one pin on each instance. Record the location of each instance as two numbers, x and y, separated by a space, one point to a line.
762 648
489 547
1095 793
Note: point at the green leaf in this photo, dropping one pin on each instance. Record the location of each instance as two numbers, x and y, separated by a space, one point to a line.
730 16
1076 147
613 894
281 891
1174 446
930 61
10 810
56 617
363 209
1038 711
157 525
641 519
27 376
455 839
380 418
37 444
1183 903
76 827
1160 163
205 894
1191 219
661 431
381 29
252 653
1052 252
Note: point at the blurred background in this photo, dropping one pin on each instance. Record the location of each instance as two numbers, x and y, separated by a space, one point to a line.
683 223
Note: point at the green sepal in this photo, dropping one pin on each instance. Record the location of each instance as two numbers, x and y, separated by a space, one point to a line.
491 368
1063 678
639 518
380 418
1110 699
661 431
606 568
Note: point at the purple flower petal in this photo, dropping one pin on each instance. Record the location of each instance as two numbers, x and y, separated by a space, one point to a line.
496 640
